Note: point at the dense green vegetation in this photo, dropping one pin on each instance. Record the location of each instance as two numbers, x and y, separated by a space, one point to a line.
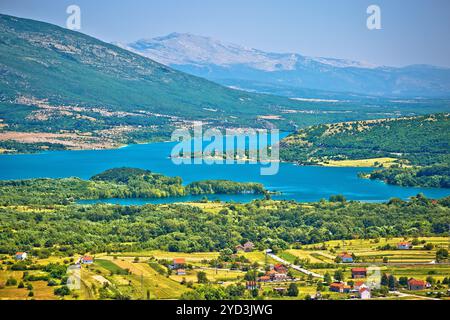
437 176
420 140
114 183
100 228
223 187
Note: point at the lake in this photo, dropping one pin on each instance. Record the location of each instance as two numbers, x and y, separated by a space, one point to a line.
303 184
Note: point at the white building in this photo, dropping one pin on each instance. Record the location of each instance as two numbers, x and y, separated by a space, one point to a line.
21 255
364 293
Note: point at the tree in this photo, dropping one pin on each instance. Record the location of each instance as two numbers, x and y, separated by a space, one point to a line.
441 255
62 291
201 277
292 290
392 283
403 281
384 280
327 279
339 275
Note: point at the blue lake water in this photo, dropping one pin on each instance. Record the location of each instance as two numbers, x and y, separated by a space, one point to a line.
304 184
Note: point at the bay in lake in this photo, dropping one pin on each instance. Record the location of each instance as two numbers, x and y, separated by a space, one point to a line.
304 184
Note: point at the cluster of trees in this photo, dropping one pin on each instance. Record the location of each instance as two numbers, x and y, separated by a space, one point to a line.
115 183
437 176
223 187
180 228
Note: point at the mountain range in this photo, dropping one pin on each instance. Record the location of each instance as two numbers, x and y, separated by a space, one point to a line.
66 68
290 74
63 89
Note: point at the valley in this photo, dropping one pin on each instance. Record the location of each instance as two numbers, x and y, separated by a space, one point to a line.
94 206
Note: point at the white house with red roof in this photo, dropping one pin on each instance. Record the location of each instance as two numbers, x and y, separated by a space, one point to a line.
404 245
364 293
20 255
87 260
346 257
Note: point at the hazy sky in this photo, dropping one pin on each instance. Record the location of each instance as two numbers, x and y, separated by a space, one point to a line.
413 31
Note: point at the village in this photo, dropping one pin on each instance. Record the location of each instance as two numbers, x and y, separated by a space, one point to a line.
306 273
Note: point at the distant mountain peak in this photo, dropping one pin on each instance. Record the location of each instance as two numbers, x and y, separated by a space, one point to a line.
282 73
187 48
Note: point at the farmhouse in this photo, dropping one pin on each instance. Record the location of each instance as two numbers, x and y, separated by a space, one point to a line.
339 287
181 272
280 277
87 260
251 285
358 285
358 273
404 246
264 279
249 246
239 248
178 263
346 257
414 284
280 268
20 255
364 293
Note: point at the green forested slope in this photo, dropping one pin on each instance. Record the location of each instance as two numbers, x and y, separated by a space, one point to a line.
421 145
69 68
423 140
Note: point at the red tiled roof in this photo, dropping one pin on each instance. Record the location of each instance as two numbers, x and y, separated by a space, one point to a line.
359 270
87 258
19 253
345 255
404 243
337 285
358 283
179 261
361 290
415 282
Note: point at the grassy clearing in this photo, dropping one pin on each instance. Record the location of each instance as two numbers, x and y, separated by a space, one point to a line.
110 266
144 278
312 256
162 255
212 275
376 162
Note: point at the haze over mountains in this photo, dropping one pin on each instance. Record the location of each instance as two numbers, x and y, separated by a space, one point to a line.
290 74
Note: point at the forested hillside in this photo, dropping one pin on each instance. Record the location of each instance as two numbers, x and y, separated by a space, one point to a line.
413 142
423 140
437 176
